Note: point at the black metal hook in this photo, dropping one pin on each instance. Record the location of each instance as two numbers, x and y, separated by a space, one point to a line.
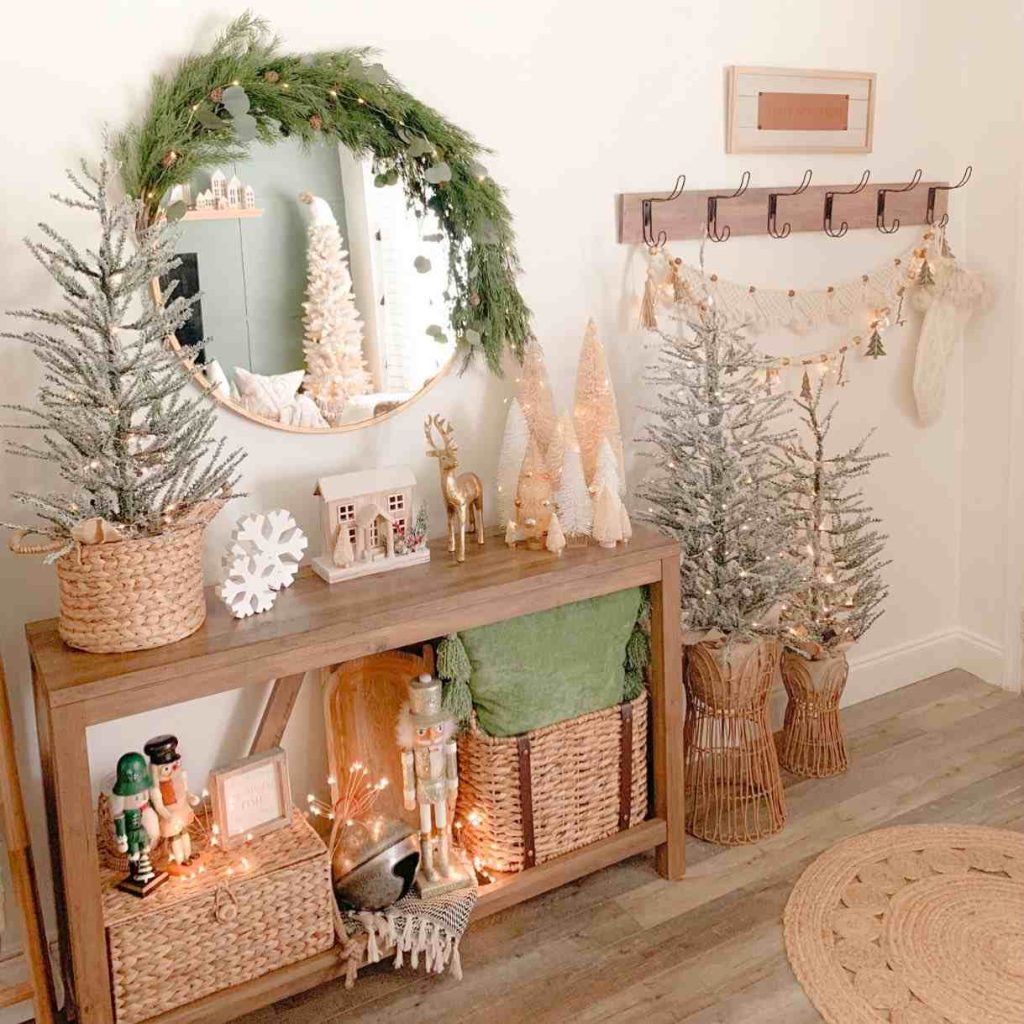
712 226
930 212
646 214
826 222
880 208
773 206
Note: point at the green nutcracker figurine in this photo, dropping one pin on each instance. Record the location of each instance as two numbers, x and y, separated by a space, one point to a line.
135 824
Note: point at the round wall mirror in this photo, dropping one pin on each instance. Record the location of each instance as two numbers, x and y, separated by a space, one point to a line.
340 244
319 295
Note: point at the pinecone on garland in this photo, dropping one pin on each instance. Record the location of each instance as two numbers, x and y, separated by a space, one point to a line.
272 76
217 95
170 158
316 122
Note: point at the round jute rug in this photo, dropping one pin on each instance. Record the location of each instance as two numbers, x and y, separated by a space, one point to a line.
915 925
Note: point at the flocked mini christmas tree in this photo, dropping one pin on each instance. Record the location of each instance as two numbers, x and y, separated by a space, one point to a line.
333 345
595 413
116 413
836 537
718 488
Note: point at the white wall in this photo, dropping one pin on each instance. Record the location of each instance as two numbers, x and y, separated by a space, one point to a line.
580 101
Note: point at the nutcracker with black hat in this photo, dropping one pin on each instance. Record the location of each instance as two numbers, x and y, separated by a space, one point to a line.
430 781
171 800
136 826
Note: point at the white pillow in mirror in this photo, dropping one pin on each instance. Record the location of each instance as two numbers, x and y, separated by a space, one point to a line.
267 396
303 412
217 378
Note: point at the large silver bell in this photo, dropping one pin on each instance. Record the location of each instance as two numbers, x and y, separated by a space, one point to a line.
374 863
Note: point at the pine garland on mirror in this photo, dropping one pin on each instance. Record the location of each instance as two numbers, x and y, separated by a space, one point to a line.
245 88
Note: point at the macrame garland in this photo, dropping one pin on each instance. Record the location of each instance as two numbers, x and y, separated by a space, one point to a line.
927 273
759 310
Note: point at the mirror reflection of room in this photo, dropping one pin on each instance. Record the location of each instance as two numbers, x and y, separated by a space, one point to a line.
321 292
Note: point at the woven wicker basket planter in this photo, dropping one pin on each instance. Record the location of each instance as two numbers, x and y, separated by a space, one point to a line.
811 743
526 799
190 938
133 594
732 781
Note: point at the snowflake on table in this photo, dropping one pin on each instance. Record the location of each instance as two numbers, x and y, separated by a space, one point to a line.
262 557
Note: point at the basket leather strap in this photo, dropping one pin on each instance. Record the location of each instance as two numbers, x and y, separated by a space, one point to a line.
625 764
526 801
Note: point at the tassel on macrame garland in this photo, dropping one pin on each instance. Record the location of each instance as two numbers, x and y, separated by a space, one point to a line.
428 930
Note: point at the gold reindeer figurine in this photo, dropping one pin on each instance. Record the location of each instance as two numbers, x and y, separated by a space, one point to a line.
463 494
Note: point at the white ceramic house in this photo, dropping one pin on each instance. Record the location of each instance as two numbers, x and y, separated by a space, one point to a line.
234 193
371 506
248 198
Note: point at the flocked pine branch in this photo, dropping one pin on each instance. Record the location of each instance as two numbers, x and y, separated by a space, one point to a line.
114 411
836 536
718 488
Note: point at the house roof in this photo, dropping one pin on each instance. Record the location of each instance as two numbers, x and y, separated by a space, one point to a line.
364 481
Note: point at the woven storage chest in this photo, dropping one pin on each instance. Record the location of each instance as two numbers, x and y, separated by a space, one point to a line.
526 799
193 937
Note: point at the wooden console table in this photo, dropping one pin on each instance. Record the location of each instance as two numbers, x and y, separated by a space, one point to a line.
313 626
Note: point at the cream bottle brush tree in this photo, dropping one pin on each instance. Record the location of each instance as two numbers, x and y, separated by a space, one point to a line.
333 345
595 412
837 542
115 415
718 489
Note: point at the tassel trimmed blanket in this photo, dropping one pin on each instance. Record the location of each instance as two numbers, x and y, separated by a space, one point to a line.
431 929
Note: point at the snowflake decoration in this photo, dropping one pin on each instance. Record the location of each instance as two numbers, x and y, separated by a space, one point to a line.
262 558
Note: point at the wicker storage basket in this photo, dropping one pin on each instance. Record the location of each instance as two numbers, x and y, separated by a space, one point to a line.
192 937
526 799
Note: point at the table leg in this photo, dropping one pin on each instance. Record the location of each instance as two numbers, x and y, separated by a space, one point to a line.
667 719
279 708
76 849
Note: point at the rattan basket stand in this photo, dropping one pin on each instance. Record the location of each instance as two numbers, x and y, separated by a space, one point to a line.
733 784
811 743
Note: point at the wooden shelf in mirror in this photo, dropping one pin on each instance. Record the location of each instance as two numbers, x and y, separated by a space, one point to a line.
233 214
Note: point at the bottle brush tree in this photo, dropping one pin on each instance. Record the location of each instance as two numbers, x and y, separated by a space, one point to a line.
836 539
718 488
116 416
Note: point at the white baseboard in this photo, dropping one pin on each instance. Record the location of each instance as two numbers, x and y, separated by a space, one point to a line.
886 670
874 674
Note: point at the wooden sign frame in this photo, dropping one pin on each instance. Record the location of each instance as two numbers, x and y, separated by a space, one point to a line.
842 121
221 780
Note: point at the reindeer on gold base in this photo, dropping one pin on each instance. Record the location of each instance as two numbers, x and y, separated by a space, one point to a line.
463 494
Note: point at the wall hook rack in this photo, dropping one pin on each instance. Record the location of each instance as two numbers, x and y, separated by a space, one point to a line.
647 213
930 212
712 221
686 213
826 222
773 206
880 208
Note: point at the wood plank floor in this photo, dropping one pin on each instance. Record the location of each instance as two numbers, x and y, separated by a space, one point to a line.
624 945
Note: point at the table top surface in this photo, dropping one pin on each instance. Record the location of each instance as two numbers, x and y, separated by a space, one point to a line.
314 624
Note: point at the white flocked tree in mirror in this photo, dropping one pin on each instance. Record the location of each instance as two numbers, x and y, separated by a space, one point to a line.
333 345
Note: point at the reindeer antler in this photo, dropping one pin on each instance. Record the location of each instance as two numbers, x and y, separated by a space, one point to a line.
444 430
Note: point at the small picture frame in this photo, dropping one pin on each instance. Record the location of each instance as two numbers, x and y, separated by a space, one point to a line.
251 797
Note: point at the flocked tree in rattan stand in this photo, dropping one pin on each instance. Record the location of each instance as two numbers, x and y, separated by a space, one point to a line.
717 492
841 595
